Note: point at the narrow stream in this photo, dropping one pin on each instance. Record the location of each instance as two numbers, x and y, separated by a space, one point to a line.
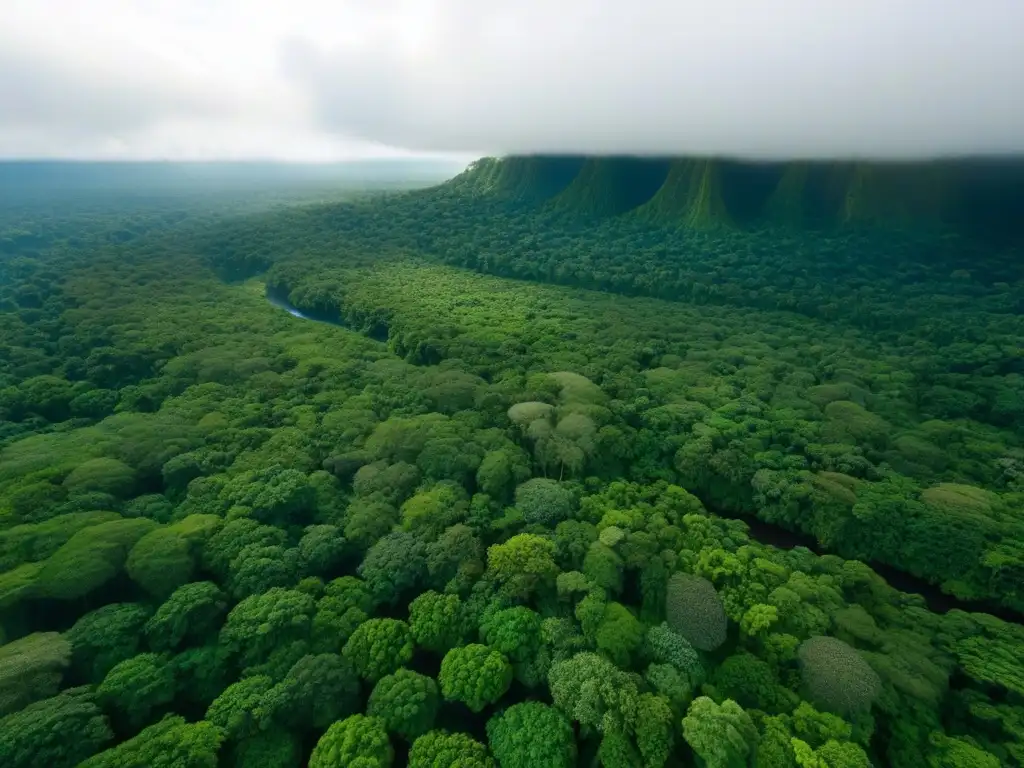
280 300
776 536
936 600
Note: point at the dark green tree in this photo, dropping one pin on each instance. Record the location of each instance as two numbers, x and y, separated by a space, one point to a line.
394 565
532 734
500 470
321 550
441 749
161 561
438 622
106 636
721 734
946 752
273 748
318 690
378 647
603 567
430 512
276 495
346 603
355 741
31 668
572 542
619 634
368 520
836 678
456 557
170 743
666 646
59 732
165 558
752 684
262 624
134 688
694 610
675 686
522 565
406 701
192 612
90 559
544 501
257 569
102 475
224 546
653 728
239 709
515 632
593 691
202 673
475 675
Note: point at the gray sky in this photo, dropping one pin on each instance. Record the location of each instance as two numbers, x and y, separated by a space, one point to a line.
312 79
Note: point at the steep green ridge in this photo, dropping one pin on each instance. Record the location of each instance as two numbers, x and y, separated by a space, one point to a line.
538 178
522 178
786 204
992 202
901 194
971 197
478 178
691 196
834 195
609 186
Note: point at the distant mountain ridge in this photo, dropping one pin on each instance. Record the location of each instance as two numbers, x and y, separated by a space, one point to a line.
975 197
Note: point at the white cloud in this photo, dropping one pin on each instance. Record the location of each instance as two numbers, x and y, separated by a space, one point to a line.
785 77
195 79
311 79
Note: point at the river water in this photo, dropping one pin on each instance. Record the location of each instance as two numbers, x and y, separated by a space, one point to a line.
282 303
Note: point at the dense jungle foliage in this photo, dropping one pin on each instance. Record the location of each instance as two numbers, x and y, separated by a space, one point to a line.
477 521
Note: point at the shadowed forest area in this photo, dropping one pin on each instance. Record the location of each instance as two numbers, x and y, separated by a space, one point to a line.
491 512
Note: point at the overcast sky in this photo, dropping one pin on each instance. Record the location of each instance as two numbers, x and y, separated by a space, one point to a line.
312 80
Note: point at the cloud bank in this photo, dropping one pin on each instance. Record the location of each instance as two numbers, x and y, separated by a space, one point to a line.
786 78
311 79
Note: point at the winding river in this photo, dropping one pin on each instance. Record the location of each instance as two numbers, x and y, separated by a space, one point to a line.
277 299
776 536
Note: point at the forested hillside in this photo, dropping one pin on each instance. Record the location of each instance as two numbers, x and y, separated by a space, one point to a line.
483 505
